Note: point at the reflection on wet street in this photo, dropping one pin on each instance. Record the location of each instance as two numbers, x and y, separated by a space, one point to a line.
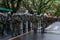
39 36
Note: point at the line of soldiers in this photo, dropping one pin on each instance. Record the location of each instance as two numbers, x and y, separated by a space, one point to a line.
11 24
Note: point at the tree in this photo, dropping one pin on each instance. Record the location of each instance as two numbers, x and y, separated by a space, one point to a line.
40 6
26 4
57 13
12 4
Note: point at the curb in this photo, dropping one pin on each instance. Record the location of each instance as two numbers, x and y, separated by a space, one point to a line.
20 35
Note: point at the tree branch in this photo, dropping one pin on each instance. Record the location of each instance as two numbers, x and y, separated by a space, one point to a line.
28 8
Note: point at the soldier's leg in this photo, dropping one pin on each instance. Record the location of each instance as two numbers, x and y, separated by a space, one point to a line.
43 29
14 33
24 27
13 30
29 28
8 28
18 29
2 30
35 30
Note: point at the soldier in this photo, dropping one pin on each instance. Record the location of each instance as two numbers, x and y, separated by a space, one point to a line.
43 24
3 22
8 19
35 24
1 25
15 25
24 23
29 28
18 25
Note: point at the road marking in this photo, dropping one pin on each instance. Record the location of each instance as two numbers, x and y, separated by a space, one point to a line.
53 32
49 27
19 36
56 27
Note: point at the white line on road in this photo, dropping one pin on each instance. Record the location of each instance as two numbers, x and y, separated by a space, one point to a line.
20 35
56 27
49 27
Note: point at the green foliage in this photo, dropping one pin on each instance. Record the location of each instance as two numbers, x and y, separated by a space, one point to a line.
11 4
33 6
38 6
42 6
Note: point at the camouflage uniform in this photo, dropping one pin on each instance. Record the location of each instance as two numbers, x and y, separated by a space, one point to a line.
15 25
2 24
35 25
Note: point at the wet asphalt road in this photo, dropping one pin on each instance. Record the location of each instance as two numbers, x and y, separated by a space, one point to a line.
39 36
53 33
5 37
